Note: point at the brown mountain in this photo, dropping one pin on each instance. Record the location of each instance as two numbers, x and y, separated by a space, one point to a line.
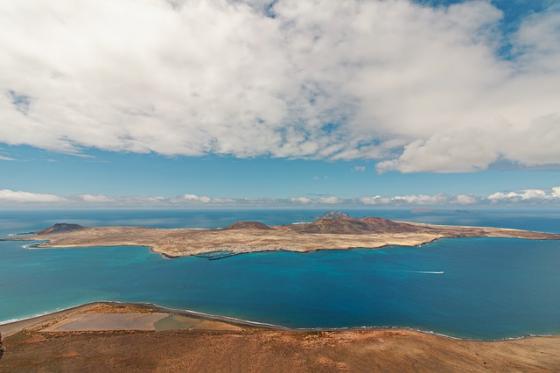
248 225
61 228
339 223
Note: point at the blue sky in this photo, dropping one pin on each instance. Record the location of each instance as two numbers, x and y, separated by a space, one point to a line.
469 113
117 174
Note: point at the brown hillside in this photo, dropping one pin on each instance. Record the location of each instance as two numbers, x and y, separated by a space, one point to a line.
248 225
338 223
61 228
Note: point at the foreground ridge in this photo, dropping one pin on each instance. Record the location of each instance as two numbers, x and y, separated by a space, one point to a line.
119 337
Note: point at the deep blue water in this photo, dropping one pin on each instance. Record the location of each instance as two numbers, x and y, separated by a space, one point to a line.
22 221
475 287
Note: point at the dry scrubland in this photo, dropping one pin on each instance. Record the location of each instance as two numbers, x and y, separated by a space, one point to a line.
330 232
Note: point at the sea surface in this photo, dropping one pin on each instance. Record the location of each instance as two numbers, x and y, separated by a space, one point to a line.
487 288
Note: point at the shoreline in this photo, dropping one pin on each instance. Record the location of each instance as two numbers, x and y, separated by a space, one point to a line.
252 323
46 245
330 232
11 323
39 246
182 243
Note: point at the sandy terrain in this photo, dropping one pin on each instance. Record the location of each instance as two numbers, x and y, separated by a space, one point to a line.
218 346
185 242
109 321
112 316
338 232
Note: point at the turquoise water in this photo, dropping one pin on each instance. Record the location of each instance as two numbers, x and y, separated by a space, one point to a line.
476 287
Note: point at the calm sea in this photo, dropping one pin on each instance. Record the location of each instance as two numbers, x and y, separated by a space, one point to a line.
475 287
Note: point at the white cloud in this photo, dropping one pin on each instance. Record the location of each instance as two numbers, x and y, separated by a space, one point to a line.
534 194
8 195
359 168
329 200
301 200
500 196
375 200
465 199
413 199
194 198
95 198
527 195
6 158
420 88
420 199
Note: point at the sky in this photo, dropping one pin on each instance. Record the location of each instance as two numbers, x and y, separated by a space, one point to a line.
242 103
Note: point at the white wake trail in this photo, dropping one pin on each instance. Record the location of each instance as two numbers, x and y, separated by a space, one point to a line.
429 272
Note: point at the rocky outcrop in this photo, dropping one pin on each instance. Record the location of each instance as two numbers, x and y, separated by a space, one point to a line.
61 228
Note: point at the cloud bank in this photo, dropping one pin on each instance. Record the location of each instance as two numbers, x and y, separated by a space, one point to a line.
415 87
12 196
527 197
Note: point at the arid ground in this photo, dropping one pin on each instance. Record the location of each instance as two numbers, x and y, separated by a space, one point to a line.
86 339
329 232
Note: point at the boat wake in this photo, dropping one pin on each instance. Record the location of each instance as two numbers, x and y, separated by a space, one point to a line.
430 272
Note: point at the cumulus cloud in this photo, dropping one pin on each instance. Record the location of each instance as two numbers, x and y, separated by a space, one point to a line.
301 200
194 198
419 199
95 198
8 195
375 200
465 199
416 87
329 200
412 199
527 195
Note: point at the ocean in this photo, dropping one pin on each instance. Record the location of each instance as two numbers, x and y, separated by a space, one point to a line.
484 288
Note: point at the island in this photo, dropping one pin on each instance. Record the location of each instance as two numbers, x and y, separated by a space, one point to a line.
332 231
